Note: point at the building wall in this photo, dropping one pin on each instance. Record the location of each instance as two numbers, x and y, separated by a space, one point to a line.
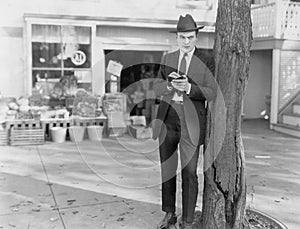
13 10
12 62
259 84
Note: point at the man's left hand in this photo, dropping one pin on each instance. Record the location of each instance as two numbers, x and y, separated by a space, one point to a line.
181 84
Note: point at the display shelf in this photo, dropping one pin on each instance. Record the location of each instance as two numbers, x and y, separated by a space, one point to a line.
90 121
78 121
59 69
22 123
47 124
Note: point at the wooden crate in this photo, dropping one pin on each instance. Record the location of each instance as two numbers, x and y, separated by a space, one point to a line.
22 123
116 131
26 136
3 137
140 132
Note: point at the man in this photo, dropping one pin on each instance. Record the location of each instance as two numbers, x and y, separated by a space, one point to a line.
184 84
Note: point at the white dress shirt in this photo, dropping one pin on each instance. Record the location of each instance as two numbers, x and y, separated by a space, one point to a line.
188 58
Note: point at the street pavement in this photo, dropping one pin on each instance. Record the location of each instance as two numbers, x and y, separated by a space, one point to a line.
115 183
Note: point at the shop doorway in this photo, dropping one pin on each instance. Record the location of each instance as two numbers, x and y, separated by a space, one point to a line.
257 97
136 79
134 63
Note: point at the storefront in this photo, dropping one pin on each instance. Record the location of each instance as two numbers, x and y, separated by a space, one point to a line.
76 49
51 50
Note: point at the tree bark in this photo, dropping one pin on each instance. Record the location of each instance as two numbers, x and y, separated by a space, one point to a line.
224 197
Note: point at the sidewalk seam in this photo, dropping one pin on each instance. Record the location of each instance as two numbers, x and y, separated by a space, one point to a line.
50 186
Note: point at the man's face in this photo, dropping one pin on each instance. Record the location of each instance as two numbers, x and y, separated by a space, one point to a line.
186 41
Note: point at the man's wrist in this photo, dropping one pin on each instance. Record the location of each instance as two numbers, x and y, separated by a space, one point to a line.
169 86
188 88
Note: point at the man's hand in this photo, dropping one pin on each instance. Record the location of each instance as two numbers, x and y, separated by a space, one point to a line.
181 84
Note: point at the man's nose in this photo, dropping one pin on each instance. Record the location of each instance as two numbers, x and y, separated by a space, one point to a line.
186 40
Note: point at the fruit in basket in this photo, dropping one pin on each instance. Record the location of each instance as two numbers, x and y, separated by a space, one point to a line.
22 101
57 91
24 108
24 115
84 104
11 114
13 106
3 108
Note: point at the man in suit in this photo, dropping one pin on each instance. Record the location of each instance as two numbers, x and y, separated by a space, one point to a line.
184 84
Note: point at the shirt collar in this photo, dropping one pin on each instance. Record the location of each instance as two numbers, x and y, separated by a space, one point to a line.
189 54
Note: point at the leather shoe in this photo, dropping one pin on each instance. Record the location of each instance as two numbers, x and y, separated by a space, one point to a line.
169 220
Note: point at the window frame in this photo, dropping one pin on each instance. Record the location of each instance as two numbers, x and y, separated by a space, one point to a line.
30 21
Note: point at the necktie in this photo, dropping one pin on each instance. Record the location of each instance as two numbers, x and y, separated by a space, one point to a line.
182 71
182 68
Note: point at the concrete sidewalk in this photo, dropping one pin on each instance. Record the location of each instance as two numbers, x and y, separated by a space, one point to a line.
116 184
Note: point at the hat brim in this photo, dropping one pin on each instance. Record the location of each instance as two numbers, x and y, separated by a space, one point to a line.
187 30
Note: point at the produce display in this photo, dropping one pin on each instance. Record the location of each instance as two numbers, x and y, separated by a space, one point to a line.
20 109
114 102
85 104
83 107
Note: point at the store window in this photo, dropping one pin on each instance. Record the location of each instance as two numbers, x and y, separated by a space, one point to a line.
61 55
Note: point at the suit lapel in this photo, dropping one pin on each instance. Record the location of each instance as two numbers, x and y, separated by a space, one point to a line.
194 71
192 65
174 60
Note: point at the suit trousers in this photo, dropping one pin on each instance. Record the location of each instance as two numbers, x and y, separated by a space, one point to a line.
174 133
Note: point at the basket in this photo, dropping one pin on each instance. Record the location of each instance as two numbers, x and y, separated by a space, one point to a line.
95 132
86 122
58 134
76 133
47 124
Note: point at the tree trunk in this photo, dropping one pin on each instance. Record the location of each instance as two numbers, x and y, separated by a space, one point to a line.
224 197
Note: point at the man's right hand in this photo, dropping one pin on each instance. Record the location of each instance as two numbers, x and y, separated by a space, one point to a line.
173 75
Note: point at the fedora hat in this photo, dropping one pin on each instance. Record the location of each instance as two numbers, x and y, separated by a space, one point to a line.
186 24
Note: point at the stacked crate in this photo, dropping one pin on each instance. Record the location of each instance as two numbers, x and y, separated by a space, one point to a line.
3 135
25 132
114 107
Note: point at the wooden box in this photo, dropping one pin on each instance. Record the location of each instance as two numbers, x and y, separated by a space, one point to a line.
22 123
116 131
25 132
3 137
26 136
140 132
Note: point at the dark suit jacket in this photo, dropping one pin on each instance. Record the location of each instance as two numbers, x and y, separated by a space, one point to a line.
203 88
